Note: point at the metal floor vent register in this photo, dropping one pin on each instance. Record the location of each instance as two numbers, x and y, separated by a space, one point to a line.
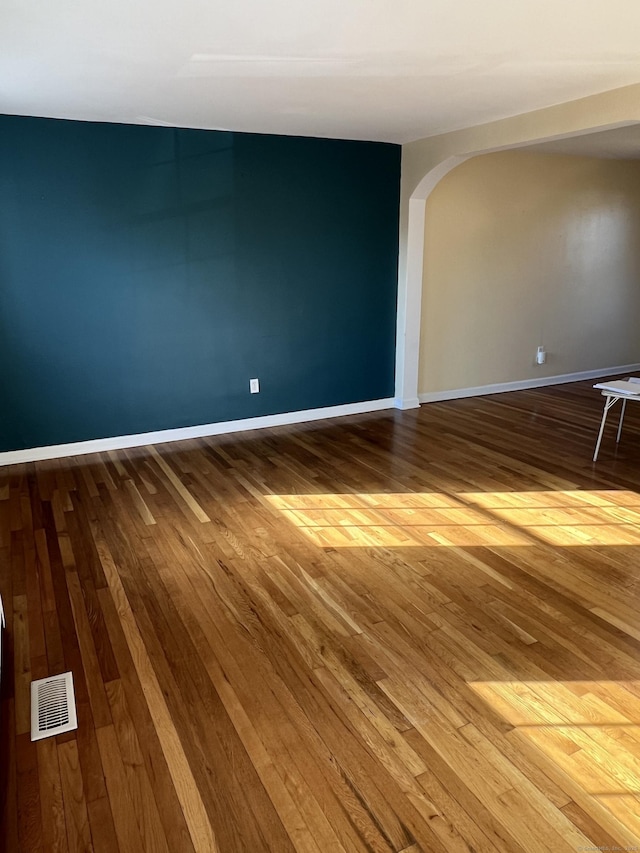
53 706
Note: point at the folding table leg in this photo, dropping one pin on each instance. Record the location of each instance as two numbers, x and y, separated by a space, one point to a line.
624 403
609 401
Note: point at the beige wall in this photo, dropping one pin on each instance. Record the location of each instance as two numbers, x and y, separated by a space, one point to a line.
523 249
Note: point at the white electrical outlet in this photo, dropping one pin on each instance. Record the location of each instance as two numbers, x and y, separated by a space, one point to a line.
254 386
541 355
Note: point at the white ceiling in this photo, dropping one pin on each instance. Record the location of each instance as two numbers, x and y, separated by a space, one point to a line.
358 69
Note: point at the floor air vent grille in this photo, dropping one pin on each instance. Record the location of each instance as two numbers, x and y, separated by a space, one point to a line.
53 706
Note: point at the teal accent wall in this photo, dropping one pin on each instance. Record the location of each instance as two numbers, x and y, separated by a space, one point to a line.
147 273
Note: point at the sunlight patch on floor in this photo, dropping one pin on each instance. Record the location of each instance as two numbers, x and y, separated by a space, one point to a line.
562 518
590 730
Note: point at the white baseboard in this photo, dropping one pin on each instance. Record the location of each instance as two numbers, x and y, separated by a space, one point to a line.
120 442
524 384
408 403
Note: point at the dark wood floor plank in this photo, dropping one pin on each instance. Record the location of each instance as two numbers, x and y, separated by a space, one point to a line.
29 814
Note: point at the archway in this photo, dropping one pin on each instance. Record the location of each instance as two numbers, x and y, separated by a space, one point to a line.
411 268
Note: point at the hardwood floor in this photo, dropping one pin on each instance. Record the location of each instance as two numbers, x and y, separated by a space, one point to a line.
401 631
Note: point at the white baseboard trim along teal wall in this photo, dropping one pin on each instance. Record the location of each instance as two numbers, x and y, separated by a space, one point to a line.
121 442
523 385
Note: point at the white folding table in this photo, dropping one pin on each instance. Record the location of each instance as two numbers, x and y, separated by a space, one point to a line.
619 389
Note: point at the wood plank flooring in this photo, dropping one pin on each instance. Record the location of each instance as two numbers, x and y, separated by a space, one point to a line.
405 631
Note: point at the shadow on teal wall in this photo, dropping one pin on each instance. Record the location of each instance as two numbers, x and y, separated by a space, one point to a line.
146 274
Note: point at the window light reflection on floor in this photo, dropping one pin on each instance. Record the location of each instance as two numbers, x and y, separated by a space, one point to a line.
426 519
581 728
